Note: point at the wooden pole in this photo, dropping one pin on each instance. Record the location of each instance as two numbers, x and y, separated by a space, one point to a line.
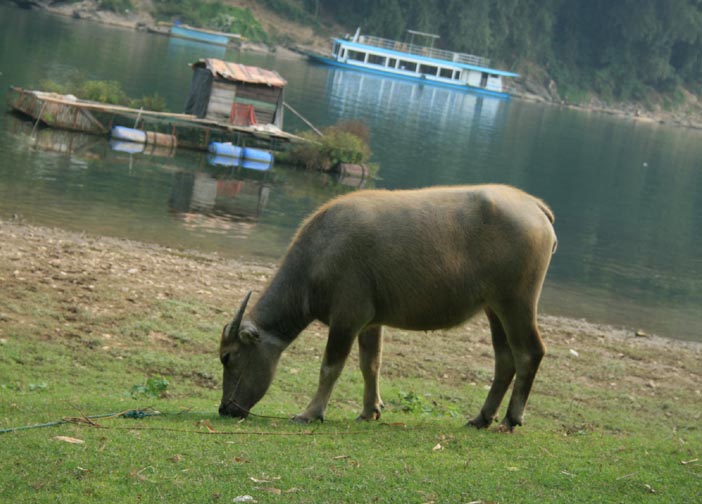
303 119
41 111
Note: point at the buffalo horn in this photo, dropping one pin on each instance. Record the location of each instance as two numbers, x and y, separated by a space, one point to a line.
236 322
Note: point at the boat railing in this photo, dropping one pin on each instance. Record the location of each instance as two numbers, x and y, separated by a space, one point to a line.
421 50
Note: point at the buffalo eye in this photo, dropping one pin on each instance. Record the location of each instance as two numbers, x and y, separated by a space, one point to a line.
224 358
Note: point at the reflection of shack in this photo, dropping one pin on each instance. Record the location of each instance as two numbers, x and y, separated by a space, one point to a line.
238 94
203 201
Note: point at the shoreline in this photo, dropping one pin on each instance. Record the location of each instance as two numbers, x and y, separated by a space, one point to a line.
528 89
27 245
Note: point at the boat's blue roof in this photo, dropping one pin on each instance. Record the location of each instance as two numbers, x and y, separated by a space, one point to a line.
440 62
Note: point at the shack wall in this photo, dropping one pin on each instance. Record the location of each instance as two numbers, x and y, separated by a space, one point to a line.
266 101
222 97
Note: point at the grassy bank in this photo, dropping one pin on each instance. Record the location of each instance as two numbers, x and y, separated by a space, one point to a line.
95 325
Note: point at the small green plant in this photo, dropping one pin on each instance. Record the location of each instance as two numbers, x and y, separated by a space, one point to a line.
346 142
156 386
102 91
412 403
154 102
37 387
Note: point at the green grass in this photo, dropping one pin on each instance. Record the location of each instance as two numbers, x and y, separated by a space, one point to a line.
98 340
174 457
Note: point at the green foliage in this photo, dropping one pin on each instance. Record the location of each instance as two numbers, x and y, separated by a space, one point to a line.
213 15
115 5
304 13
155 386
110 92
413 403
346 142
622 50
154 102
103 91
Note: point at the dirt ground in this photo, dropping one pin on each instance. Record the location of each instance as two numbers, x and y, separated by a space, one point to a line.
108 278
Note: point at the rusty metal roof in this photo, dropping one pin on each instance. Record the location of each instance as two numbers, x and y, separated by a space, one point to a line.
237 72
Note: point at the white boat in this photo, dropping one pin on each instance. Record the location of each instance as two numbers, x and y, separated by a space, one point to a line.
423 63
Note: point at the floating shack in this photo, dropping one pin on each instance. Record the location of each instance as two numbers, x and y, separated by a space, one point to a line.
227 102
236 94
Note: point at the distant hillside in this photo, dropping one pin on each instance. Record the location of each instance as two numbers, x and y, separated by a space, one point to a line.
642 58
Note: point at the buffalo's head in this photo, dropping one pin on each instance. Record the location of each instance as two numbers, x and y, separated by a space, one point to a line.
249 357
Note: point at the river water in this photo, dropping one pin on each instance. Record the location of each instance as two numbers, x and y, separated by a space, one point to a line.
627 196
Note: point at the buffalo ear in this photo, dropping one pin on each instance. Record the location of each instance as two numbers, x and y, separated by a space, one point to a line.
248 334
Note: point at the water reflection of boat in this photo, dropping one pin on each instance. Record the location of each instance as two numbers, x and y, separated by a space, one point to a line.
354 92
51 140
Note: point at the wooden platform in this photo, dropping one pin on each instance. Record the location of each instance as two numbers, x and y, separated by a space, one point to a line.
71 113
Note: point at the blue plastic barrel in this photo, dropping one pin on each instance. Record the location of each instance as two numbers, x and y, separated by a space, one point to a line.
216 160
225 149
258 155
128 134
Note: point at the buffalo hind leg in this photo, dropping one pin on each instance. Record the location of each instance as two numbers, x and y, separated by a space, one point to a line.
370 351
504 372
528 350
338 348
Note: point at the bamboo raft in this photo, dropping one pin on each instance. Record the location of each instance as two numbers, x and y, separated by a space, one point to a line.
70 113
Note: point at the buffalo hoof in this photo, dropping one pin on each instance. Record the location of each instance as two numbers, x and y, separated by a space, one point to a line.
302 419
367 417
480 422
508 424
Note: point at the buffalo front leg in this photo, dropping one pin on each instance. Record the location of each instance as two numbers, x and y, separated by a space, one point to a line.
370 351
504 372
338 348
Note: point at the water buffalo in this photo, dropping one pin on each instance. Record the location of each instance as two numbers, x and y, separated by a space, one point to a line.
418 260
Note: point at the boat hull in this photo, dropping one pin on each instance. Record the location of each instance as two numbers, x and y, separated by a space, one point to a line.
199 36
58 115
326 60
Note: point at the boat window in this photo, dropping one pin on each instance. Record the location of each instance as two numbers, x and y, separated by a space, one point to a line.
335 50
483 79
392 62
457 74
356 55
446 73
376 60
428 69
410 66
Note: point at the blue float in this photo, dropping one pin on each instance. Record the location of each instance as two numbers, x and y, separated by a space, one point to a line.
128 134
225 149
258 155
244 153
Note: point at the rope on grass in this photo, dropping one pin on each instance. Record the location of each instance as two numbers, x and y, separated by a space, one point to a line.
140 414
85 419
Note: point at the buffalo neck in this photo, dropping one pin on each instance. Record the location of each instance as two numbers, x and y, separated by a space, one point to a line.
281 311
